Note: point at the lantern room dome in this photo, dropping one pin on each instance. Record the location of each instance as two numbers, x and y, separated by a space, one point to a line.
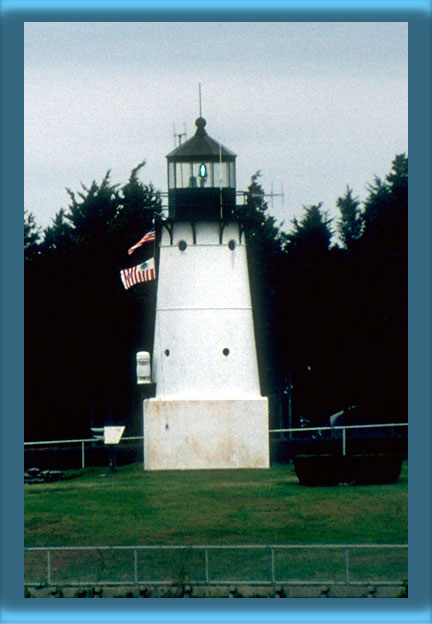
201 145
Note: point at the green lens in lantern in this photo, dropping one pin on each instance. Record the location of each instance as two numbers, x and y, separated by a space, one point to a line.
203 171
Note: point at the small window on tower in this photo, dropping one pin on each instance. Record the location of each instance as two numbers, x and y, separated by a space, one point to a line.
232 245
167 352
182 245
226 351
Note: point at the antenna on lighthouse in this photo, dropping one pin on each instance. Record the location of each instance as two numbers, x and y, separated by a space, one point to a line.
178 136
272 194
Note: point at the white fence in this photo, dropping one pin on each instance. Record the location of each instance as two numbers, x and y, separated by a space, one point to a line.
82 444
305 564
86 443
318 432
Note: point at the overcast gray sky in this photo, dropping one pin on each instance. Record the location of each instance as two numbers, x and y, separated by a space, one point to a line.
313 105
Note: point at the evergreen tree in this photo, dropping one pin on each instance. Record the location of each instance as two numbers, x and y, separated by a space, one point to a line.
350 224
386 211
93 208
308 331
312 234
260 226
265 257
136 212
32 235
383 285
58 234
82 328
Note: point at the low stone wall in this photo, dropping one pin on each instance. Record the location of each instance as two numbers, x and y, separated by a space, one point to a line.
218 591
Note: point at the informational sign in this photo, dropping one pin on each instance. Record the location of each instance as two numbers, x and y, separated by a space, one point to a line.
112 435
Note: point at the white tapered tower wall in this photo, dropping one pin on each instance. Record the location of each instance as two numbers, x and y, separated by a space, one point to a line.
208 411
204 307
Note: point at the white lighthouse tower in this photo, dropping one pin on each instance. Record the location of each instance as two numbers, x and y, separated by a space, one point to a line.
208 411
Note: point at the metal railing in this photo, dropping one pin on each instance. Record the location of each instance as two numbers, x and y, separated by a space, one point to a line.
337 564
83 443
342 428
91 442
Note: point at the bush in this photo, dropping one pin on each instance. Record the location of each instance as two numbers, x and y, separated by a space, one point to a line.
326 470
323 470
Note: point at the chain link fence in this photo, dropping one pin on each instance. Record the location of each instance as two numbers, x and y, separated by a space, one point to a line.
331 564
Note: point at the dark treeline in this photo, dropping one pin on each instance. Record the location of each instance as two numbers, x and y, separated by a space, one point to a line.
82 329
330 306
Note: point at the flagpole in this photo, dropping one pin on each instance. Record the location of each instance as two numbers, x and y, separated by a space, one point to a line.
220 180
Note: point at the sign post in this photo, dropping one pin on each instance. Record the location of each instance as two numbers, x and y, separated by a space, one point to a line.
111 437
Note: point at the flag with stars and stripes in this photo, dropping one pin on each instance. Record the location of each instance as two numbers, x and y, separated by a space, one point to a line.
150 237
144 272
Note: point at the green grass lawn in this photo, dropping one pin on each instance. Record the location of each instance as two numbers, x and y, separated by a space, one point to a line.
132 507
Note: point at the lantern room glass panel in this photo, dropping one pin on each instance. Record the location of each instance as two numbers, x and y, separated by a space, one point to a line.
171 175
222 174
182 175
232 181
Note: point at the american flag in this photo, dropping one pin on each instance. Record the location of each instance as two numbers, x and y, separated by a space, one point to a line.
141 273
147 238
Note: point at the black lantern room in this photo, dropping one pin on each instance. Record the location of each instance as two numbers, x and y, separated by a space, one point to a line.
201 179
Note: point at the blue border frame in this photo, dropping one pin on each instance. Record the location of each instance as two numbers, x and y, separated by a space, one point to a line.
13 607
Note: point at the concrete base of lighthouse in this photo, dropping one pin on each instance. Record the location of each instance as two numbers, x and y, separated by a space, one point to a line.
184 434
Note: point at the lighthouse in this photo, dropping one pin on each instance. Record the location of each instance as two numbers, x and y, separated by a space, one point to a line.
207 411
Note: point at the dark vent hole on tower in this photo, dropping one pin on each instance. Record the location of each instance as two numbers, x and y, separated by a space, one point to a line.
167 352
182 245
232 245
225 351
